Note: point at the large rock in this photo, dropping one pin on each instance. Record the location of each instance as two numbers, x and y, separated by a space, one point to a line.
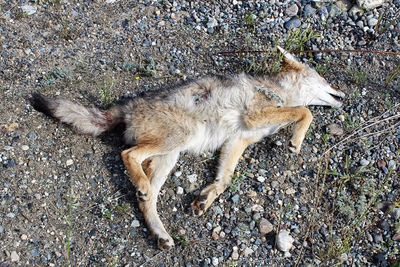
370 4
265 226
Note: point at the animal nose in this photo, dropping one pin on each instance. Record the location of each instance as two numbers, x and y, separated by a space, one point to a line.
339 91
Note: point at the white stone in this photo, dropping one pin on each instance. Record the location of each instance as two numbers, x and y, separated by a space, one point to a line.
25 147
30 10
192 178
248 251
257 207
284 241
14 256
290 191
364 162
356 10
261 179
212 23
292 10
135 224
214 261
372 22
179 190
69 162
370 4
343 257
235 253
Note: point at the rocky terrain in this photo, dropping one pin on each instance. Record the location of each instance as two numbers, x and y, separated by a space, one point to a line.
66 199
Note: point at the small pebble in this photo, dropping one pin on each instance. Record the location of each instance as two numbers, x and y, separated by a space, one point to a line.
247 251
29 10
235 198
235 254
292 10
192 178
261 179
135 223
179 190
214 261
290 191
335 129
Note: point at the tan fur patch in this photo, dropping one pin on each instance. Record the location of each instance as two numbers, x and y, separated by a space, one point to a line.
291 66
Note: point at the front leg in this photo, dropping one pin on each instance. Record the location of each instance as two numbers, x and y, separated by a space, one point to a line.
273 115
229 157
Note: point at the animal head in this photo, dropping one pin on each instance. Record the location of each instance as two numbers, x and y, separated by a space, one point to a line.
303 86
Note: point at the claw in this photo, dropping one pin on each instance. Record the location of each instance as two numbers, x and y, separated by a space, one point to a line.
164 243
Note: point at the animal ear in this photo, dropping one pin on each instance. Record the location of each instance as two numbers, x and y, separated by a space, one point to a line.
289 61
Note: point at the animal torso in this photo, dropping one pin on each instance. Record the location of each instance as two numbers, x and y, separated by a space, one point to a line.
204 113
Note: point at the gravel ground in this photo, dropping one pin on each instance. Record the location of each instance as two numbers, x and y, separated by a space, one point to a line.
67 200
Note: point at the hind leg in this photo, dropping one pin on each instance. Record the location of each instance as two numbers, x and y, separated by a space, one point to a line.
148 146
157 169
229 157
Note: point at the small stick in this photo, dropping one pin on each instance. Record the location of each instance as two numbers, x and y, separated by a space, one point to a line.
312 51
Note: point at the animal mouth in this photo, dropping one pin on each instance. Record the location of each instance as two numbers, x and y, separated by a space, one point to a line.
337 98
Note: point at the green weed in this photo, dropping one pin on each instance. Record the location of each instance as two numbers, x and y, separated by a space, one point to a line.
72 204
180 238
112 206
355 198
393 76
237 180
269 62
148 69
250 20
321 69
348 122
381 27
325 138
359 77
68 32
297 38
106 92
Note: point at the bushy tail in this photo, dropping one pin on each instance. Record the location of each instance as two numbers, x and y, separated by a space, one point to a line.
84 120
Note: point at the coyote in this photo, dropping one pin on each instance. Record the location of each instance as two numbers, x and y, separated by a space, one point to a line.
205 115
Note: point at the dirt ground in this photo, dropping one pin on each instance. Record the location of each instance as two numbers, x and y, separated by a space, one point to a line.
66 199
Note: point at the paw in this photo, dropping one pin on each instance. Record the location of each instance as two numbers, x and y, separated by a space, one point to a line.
294 148
199 205
165 242
205 199
143 195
